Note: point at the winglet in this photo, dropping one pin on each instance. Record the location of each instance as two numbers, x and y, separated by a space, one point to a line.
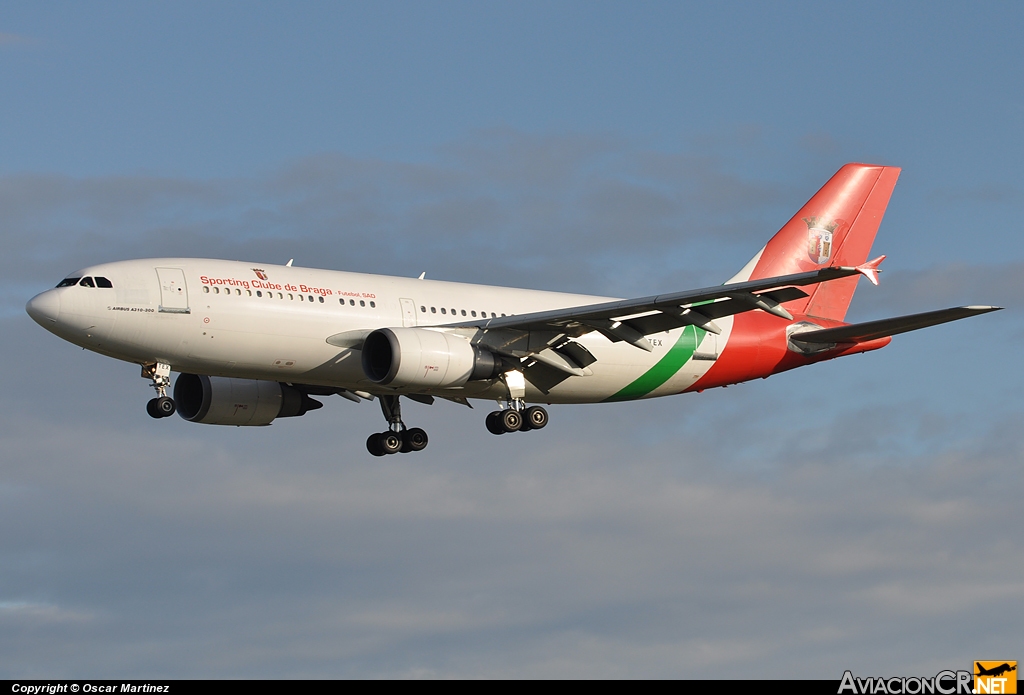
870 269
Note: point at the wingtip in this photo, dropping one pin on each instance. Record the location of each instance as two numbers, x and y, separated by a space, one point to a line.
870 270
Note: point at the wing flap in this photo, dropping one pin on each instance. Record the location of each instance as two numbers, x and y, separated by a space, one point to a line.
872 330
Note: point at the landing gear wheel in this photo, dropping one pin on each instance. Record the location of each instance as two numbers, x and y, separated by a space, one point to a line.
536 418
493 424
390 443
160 407
414 440
511 420
165 406
373 445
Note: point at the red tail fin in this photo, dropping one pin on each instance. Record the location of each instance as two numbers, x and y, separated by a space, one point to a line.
836 227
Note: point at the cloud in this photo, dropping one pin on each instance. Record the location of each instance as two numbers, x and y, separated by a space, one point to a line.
910 291
770 528
849 515
520 201
8 40
986 194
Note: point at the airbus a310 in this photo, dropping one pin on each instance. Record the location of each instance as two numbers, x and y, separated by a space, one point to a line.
253 343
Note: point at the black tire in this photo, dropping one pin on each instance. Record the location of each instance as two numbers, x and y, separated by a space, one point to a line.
165 406
151 409
536 417
390 443
511 420
414 439
373 445
493 423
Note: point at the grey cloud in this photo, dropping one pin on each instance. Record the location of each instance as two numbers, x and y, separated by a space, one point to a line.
774 528
841 516
985 194
8 40
501 204
909 291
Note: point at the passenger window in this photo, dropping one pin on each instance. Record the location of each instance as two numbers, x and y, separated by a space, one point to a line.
373 305
463 312
362 303
216 290
258 293
310 297
86 282
493 316
69 282
249 292
443 310
473 313
433 310
351 302
206 289
503 314
453 312
321 300
423 309
301 298
341 301
103 282
238 292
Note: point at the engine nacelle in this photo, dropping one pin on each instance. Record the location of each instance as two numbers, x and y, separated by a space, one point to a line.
214 400
420 357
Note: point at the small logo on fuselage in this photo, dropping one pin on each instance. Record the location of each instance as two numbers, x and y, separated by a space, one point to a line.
260 273
819 238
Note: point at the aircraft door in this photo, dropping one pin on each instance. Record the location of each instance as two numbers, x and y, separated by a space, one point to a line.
173 293
408 312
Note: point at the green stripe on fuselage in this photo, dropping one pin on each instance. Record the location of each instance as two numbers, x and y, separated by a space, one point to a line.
678 355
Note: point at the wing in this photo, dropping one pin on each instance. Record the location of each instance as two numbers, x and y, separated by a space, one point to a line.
631 320
546 338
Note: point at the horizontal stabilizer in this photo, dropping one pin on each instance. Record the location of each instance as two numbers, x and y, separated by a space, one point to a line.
861 332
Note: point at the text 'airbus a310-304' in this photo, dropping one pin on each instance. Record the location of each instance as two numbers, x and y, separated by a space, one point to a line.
255 343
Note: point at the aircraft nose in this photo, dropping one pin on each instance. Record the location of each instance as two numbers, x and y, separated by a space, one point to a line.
44 308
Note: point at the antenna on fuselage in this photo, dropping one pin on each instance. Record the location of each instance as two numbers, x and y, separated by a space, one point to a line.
289 263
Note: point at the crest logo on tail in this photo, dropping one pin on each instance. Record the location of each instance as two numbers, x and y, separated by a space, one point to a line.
819 238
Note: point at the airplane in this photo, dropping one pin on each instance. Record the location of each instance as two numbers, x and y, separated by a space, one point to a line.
255 342
995 671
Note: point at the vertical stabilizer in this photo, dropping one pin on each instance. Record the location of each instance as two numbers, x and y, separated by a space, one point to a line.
836 227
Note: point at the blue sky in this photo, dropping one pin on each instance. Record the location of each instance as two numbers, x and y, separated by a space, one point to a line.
856 514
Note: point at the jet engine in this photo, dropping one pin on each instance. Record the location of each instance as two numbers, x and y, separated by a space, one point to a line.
423 358
213 400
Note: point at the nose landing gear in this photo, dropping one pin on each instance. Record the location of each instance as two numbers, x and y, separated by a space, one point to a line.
398 438
160 374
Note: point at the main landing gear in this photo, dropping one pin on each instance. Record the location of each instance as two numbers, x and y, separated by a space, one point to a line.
397 438
160 374
513 420
516 417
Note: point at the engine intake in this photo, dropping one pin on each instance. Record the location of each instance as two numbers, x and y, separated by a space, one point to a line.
214 400
424 358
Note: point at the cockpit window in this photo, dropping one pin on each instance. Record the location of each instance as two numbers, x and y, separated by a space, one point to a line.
69 282
86 282
103 282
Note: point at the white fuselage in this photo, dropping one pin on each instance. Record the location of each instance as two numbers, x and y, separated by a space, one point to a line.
233 319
